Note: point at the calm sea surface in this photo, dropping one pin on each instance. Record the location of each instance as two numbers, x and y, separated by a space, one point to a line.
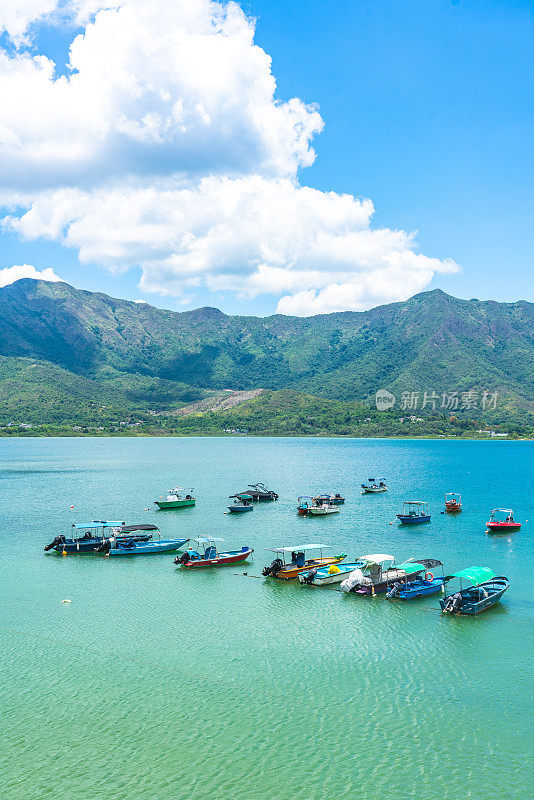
155 683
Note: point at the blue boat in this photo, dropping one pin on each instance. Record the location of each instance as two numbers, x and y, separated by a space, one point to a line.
414 512
87 536
484 591
113 546
242 502
418 585
333 573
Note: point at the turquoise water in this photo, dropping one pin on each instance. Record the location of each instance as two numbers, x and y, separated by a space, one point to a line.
156 683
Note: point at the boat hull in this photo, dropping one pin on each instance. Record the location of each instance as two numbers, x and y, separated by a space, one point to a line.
164 504
407 520
149 548
453 508
419 589
503 527
291 571
322 512
239 509
374 489
232 557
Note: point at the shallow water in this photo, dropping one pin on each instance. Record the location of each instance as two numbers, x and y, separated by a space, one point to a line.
157 683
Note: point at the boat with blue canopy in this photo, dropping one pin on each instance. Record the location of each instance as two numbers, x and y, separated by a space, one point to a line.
87 536
419 585
484 589
414 512
207 554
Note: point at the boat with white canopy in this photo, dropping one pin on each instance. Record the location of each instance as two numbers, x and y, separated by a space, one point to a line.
379 573
176 498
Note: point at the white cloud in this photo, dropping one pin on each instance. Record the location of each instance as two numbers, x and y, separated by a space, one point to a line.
166 148
11 274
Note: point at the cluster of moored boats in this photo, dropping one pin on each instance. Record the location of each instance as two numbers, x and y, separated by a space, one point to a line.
377 573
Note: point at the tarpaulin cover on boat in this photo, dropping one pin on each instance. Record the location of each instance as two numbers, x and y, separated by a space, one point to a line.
475 574
98 523
411 566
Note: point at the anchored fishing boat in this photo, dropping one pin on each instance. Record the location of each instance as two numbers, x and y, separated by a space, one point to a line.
374 485
290 561
378 574
496 523
259 493
242 502
176 498
411 586
414 512
324 508
207 554
87 536
334 499
326 576
485 589
113 546
453 502
304 504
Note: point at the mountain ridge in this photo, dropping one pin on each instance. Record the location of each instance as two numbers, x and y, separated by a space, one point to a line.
430 342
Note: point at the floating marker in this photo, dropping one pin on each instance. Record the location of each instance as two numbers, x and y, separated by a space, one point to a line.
66 601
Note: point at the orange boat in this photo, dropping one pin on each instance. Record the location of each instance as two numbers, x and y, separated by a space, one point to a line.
453 502
290 561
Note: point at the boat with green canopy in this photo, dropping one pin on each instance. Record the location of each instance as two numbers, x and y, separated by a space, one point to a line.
483 589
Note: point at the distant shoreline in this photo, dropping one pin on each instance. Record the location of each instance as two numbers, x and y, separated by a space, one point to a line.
205 435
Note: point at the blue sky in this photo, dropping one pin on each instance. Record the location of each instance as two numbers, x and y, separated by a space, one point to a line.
428 111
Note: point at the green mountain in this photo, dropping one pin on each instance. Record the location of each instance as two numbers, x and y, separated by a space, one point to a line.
64 349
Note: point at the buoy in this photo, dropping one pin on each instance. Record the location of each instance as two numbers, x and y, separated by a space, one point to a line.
72 506
333 569
64 553
66 601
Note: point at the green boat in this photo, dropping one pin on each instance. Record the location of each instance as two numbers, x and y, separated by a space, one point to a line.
176 498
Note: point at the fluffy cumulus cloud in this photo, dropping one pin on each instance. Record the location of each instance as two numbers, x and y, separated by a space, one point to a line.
164 147
11 274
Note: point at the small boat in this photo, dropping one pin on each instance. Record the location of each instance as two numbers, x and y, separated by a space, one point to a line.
453 502
243 502
131 547
259 493
506 525
304 504
484 590
326 576
334 499
414 512
418 585
375 485
95 532
281 567
176 498
378 574
322 509
207 554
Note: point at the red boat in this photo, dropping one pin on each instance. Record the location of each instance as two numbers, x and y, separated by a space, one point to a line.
506 525
207 554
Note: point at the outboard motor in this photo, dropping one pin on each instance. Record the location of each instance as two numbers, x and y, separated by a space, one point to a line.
105 547
274 569
57 541
395 589
454 604
308 578
183 559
